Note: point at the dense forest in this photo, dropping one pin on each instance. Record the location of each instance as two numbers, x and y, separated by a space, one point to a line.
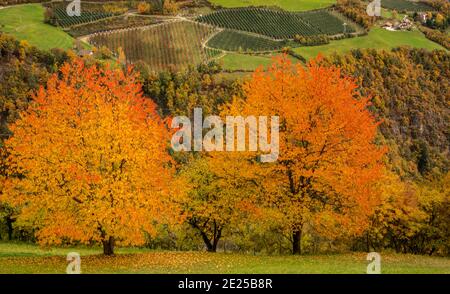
410 93
23 68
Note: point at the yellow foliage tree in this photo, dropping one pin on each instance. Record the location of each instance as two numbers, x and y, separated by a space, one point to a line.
412 217
169 7
144 7
221 196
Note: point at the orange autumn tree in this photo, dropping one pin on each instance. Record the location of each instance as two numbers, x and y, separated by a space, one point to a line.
328 160
90 160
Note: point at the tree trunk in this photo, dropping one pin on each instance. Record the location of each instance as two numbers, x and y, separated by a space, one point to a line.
211 243
9 223
212 246
108 246
216 238
296 241
367 242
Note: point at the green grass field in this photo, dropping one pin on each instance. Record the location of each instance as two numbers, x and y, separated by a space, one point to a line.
377 39
25 22
26 258
236 61
291 5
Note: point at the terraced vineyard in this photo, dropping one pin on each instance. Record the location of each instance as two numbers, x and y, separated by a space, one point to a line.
212 53
277 24
170 45
64 20
238 41
326 22
90 12
113 23
272 23
403 5
290 5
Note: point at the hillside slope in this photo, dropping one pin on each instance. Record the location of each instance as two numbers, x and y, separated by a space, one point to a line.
411 94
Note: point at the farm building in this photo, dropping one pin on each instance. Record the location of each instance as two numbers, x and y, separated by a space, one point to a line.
405 24
422 17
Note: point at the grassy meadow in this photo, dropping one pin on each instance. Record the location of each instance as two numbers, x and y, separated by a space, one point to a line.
28 258
26 22
377 38
245 62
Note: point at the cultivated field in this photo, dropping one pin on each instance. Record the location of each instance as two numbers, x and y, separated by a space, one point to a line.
212 53
170 45
271 23
238 41
113 23
23 258
326 22
291 5
165 44
89 14
277 24
404 5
